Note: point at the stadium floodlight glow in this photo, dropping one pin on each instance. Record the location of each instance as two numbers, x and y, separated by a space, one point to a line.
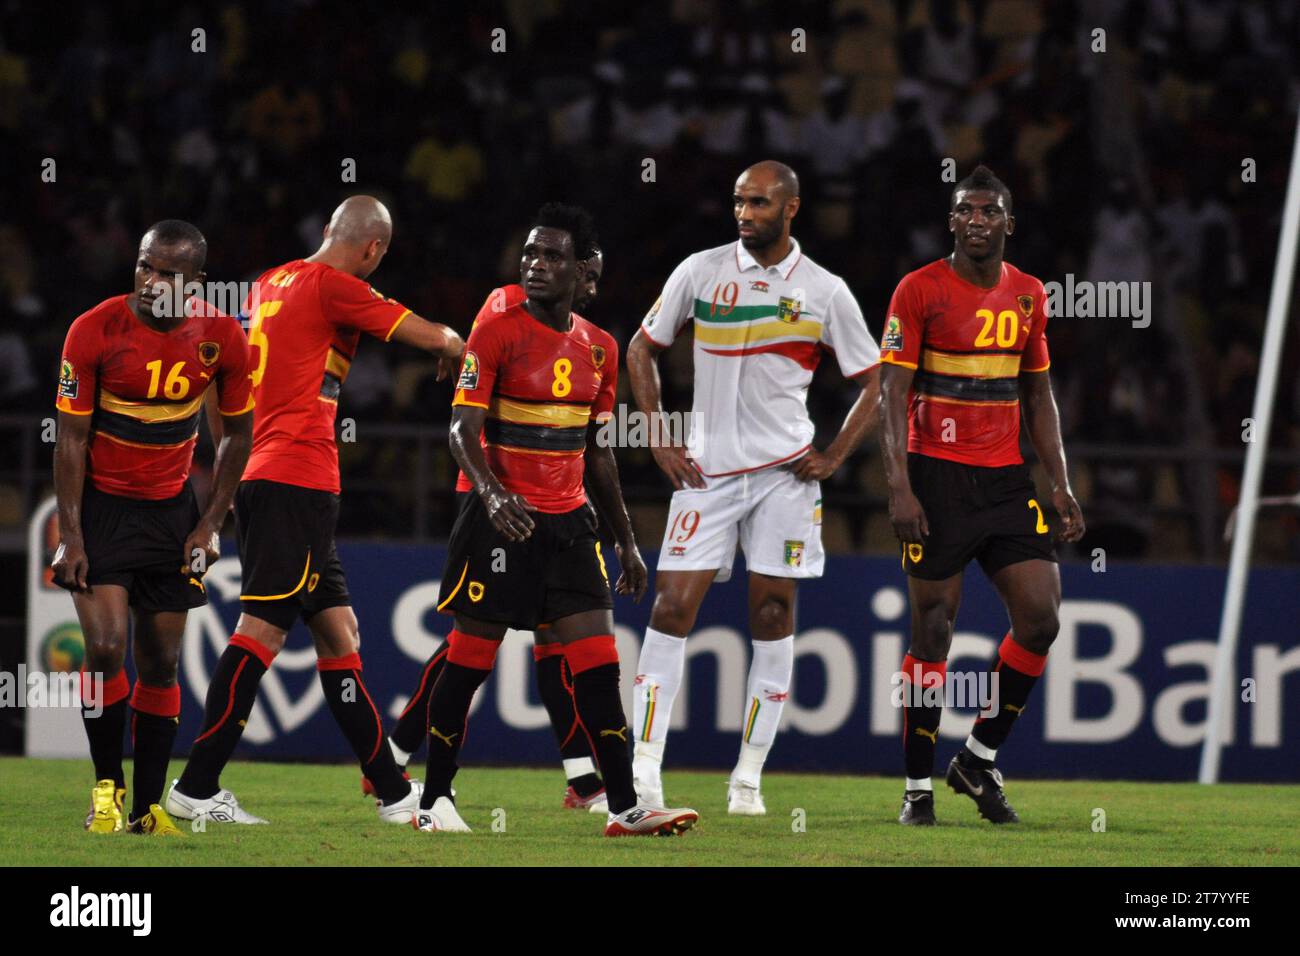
1222 693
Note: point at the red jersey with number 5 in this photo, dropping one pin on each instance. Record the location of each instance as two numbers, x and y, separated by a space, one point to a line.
968 346
144 390
541 388
305 321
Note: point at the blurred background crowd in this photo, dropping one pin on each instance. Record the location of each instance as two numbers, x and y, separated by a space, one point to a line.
1125 151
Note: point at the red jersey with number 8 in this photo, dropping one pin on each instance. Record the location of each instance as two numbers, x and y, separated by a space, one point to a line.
541 388
144 389
305 321
968 346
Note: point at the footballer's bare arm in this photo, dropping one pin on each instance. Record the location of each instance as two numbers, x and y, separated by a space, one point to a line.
1043 421
863 418
601 472
905 511
643 369
507 511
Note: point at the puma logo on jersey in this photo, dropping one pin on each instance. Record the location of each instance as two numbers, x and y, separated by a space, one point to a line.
932 734
445 738
621 733
1014 709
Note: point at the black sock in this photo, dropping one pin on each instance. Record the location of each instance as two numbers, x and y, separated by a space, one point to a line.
153 737
358 718
411 726
921 716
230 699
105 733
600 709
553 683
1014 687
447 717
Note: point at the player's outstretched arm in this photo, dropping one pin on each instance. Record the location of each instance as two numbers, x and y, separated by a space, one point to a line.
861 420
507 511
643 368
234 435
601 473
435 338
905 511
1044 424
70 563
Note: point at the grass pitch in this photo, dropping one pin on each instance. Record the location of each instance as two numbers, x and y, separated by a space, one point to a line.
319 818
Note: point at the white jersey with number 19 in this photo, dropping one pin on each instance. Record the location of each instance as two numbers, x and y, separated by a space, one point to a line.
759 334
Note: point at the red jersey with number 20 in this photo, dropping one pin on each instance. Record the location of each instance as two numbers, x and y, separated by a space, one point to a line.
968 346
144 389
541 388
305 320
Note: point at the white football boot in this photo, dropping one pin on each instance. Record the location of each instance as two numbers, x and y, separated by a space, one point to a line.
442 816
643 820
221 807
744 799
400 811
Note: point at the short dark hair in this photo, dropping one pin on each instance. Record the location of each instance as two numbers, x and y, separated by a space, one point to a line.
178 232
981 177
574 220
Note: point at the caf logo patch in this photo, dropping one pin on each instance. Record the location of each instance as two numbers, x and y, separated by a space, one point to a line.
209 352
787 309
67 380
654 309
469 372
476 591
892 340
794 554
1026 303
598 355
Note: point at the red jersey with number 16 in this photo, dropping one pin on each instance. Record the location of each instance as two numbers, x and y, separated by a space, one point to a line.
144 390
305 320
968 346
541 388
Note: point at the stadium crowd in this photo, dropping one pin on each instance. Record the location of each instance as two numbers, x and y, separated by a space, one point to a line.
1127 163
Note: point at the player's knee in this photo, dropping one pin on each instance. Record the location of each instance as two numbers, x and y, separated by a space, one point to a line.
771 619
1038 633
159 670
932 635
672 615
106 650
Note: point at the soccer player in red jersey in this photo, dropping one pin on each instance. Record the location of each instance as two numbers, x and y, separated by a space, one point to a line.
964 349
133 544
584 789
305 321
535 382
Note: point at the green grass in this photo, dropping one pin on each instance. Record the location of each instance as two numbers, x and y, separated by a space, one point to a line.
319 818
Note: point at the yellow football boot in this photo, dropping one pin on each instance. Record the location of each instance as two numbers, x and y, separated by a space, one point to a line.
155 823
105 808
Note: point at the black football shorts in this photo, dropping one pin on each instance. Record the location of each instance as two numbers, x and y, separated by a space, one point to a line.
286 545
140 545
990 514
558 571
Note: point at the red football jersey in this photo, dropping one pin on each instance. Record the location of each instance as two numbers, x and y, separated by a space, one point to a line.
541 388
145 388
305 320
968 346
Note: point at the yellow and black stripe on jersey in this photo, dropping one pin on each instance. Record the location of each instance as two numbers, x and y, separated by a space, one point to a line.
541 427
153 423
977 378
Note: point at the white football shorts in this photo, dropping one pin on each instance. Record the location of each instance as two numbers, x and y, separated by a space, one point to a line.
773 516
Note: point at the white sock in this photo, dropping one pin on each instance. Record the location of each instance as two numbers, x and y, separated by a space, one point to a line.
769 685
979 750
403 757
575 767
923 784
658 678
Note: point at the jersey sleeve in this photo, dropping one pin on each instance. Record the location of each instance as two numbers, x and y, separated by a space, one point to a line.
1035 357
845 332
485 351
78 369
349 302
234 384
904 325
673 309
603 407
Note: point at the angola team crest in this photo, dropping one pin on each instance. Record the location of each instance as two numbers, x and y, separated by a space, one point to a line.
1026 303
598 355
209 352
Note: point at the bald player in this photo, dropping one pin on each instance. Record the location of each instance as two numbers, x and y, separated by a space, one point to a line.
763 313
305 319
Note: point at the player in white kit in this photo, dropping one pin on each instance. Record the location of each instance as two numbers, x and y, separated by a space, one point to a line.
763 313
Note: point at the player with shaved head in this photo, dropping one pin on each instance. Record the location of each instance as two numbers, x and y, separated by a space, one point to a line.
305 319
763 314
